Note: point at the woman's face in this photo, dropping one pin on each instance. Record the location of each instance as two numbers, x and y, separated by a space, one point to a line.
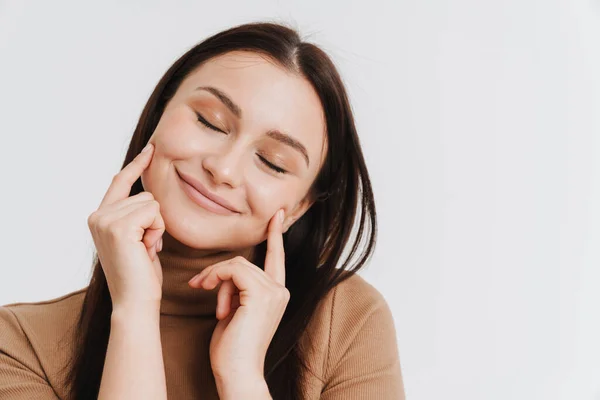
261 151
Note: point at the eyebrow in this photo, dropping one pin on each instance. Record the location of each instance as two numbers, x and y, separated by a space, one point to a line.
224 99
273 133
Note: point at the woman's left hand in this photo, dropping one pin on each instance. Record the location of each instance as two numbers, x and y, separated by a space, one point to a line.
250 305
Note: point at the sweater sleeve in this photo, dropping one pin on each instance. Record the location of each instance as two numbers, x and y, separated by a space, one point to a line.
363 360
21 375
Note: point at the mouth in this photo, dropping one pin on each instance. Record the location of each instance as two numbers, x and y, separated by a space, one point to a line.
203 197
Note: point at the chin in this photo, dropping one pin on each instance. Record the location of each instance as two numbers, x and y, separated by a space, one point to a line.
197 235
203 233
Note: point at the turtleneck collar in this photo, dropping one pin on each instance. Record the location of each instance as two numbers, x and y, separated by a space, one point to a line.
178 298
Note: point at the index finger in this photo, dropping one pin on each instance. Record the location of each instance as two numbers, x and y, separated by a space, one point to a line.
124 180
275 258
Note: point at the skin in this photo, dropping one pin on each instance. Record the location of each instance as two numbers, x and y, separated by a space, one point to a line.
227 163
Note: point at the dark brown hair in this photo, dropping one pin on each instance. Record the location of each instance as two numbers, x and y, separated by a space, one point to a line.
314 245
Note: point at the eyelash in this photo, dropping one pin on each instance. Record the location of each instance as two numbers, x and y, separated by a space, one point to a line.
272 166
264 160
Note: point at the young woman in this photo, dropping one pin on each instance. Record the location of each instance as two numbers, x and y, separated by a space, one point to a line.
220 269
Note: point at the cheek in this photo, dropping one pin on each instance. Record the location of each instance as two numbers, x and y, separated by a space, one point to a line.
171 140
175 136
263 198
154 175
267 196
146 180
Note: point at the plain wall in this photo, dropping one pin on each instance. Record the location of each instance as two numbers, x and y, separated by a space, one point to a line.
479 123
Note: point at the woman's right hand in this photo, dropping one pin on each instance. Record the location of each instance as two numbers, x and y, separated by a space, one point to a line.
127 232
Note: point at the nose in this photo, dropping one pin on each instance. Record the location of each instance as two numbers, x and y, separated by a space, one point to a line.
224 166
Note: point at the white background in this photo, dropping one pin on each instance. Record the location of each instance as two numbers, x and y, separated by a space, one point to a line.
479 122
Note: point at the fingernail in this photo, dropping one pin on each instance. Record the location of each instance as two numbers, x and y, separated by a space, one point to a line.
281 215
148 147
195 280
160 243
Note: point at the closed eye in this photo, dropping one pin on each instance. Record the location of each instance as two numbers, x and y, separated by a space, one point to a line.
274 167
271 165
208 124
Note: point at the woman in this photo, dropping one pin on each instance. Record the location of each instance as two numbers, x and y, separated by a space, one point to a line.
215 273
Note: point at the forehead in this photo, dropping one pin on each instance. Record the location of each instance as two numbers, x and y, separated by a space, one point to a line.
269 96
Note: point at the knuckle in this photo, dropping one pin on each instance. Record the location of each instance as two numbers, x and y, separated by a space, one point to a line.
102 225
116 177
155 205
91 220
282 295
145 196
105 226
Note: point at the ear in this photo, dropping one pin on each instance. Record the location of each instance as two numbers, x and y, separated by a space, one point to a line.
297 212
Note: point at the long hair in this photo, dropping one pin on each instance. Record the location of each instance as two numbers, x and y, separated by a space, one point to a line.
314 245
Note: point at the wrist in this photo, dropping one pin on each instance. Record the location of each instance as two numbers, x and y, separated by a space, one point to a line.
144 310
256 388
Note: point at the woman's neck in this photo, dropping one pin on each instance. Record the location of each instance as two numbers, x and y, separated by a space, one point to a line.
179 264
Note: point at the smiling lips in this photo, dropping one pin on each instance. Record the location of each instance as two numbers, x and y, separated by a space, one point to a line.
205 199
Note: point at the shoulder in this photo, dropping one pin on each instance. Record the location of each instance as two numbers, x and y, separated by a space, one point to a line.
348 307
42 318
362 355
352 337
359 315
37 337
49 304
355 297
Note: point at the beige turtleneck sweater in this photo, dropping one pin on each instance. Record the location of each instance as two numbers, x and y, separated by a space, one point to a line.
356 354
